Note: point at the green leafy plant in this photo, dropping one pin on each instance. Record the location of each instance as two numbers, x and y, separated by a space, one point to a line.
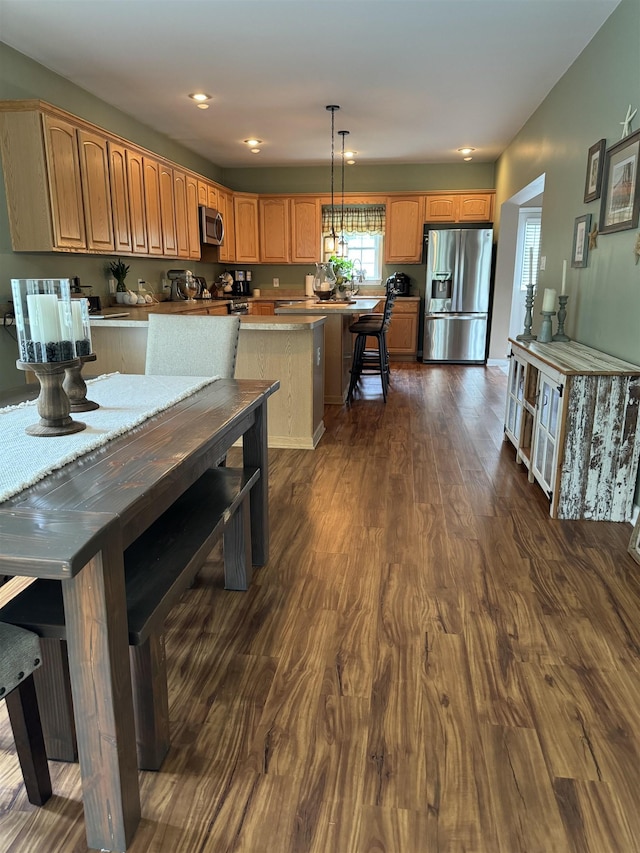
343 269
119 271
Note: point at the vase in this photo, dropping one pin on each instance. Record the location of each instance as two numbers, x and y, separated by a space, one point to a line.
324 281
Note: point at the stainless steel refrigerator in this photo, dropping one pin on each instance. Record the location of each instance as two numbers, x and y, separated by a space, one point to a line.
457 295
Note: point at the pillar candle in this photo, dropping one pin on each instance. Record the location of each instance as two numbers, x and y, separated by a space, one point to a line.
564 278
549 299
76 318
43 317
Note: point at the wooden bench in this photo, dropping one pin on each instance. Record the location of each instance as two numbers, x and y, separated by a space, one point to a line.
159 566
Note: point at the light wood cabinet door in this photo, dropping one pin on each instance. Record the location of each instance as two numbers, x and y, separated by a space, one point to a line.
180 202
193 225
306 228
402 335
227 251
274 230
167 212
404 230
441 208
120 197
137 205
202 193
96 191
208 195
152 206
65 184
265 309
476 208
217 310
245 214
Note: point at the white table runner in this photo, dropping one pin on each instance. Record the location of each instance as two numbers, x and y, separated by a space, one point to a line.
125 400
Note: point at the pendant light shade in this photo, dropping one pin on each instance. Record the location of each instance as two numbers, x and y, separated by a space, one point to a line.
330 242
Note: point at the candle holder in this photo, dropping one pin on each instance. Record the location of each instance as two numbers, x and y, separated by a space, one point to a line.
53 404
75 387
545 336
562 313
528 317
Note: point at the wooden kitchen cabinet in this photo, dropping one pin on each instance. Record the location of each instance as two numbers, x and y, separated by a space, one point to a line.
572 415
153 211
137 204
96 191
265 309
168 211
185 195
306 228
120 197
459 207
404 230
274 230
227 251
245 216
402 335
208 195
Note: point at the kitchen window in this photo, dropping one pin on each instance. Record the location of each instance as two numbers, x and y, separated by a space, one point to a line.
528 238
362 226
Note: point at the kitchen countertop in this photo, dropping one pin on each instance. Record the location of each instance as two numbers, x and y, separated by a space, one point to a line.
314 306
139 319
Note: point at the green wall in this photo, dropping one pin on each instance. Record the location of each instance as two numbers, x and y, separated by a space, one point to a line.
586 105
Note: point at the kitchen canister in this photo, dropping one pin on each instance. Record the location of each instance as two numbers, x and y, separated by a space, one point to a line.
308 285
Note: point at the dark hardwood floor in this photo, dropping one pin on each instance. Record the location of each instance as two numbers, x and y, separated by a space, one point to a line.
428 663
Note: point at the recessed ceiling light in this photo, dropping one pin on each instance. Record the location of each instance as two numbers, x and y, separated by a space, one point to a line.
465 150
200 96
255 150
467 158
202 106
253 142
350 154
350 162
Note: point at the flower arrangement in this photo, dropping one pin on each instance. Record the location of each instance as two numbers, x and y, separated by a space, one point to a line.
343 269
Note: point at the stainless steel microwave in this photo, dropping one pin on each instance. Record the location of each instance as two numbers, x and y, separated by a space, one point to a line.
211 226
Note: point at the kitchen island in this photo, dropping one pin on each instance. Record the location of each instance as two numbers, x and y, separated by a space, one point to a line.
338 343
288 349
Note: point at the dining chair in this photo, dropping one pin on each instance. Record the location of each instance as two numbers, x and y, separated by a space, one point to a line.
187 345
20 655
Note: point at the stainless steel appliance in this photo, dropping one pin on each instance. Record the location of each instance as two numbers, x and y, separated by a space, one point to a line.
211 226
457 295
400 283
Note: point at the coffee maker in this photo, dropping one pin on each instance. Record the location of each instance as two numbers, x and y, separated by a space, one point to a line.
241 283
400 282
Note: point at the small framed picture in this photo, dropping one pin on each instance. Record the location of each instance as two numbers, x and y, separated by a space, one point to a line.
595 162
581 240
620 185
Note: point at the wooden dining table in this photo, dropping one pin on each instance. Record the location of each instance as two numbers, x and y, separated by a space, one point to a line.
74 525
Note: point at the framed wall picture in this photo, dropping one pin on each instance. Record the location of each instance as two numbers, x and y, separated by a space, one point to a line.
634 545
620 185
581 241
595 162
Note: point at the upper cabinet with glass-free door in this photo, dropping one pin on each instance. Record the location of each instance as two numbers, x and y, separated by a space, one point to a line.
404 230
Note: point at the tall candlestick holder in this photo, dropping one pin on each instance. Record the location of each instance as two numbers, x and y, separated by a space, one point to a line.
545 336
562 314
528 316
48 328
53 404
75 387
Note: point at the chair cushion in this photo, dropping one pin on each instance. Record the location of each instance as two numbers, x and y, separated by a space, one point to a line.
19 656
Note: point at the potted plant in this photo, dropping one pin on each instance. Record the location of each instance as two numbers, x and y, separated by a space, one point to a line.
119 271
343 269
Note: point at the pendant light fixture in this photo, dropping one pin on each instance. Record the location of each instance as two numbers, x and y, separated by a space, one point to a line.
330 242
341 248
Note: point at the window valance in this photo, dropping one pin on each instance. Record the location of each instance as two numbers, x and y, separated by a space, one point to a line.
357 218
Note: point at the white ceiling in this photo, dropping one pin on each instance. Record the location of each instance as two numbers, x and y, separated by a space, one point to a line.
415 79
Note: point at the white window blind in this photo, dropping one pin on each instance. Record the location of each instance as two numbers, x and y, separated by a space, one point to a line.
530 224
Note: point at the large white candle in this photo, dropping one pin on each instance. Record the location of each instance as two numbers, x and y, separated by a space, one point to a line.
549 299
76 317
564 278
71 320
43 317
530 264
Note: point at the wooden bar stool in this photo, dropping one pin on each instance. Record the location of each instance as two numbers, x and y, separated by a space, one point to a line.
19 656
371 361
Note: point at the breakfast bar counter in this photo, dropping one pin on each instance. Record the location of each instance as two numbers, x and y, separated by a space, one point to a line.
289 349
338 341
